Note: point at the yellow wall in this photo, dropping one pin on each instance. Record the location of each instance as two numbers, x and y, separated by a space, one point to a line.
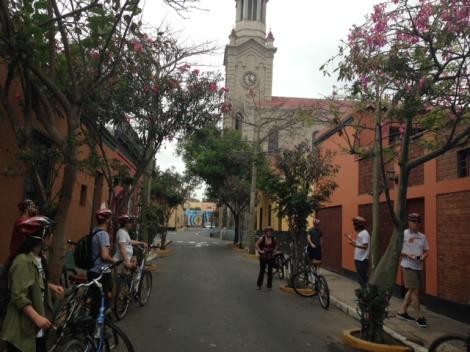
265 202
176 218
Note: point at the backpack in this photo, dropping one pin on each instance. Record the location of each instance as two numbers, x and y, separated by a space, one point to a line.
82 254
4 293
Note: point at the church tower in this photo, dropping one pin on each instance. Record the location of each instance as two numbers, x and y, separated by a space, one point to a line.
248 58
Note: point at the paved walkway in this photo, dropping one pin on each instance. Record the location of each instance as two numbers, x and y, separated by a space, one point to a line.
342 292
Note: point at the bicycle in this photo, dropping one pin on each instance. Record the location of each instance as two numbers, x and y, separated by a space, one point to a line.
451 343
309 283
101 335
129 286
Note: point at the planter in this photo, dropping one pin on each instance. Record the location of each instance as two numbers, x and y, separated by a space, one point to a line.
350 338
290 290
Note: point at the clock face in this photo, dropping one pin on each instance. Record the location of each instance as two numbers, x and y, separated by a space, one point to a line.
250 79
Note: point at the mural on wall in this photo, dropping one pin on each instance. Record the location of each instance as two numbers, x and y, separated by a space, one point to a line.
198 218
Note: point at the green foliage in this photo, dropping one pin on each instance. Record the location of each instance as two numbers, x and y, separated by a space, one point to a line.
151 220
170 189
300 182
372 304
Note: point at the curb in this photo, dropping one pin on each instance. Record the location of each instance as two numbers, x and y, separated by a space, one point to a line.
351 311
357 343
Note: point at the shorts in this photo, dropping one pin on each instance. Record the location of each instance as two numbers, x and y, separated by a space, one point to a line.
314 253
412 278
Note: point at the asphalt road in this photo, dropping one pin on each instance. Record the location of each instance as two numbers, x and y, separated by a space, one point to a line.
204 299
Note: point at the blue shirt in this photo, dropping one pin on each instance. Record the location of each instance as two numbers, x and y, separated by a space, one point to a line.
100 239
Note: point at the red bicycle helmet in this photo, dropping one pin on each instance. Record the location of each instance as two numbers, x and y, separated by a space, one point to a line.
125 219
103 214
25 204
36 226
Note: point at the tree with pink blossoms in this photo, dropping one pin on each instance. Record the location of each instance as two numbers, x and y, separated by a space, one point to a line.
409 62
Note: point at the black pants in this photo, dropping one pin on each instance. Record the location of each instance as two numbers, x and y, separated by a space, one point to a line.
362 269
263 262
40 346
94 292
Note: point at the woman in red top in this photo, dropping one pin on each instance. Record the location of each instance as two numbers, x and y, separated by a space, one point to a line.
266 247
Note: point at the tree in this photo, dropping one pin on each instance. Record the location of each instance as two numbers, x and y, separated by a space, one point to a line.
169 189
155 97
223 161
48 47
300 182
410 62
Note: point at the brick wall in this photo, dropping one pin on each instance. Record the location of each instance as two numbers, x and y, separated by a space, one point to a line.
447 166
453 223
386 224
417 174
365 176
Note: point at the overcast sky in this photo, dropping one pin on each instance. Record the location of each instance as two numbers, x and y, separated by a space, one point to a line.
307 33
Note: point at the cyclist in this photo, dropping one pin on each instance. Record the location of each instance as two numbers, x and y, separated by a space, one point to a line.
266 247
25 321
414 253
314 244
124 243
100 245
27 210
361 249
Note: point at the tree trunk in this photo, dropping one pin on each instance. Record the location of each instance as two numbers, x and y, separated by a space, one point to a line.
146 193
236 217
386 271
375 236
57 254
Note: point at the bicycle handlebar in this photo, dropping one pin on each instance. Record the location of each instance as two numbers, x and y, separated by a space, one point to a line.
97 280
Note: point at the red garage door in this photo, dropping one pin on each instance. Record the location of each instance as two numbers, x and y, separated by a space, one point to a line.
331 219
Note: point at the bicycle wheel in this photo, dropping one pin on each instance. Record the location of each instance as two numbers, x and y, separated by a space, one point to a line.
279 266
302 284
450 343
115 339
122 301
145 287
73 345
323 291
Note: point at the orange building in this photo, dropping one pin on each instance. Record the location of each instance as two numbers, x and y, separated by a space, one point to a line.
90 190
439 190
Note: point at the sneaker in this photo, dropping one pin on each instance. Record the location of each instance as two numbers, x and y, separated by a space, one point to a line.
421 322
404 316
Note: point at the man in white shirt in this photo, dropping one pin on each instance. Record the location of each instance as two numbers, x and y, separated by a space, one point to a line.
361 250
124 243
414 252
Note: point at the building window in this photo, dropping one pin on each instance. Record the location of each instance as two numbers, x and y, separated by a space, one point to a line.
463 159
238 121
273 141
254 10
250 8
393 135
83 194
242 2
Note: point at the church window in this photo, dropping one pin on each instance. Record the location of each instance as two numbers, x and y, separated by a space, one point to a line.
273 141
238 121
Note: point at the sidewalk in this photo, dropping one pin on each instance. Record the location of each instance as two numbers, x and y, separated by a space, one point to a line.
342 296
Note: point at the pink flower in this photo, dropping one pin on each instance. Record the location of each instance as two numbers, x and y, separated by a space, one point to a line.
196 72
402 131
213 87
184 68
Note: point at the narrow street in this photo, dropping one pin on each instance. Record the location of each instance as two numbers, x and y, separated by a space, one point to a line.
204 298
